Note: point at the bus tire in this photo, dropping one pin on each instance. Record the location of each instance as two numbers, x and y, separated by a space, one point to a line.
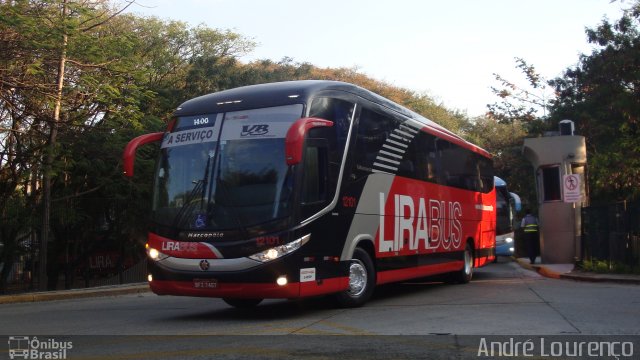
466 273
242 303
362 280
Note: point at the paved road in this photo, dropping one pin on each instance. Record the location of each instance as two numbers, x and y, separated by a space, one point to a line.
503 299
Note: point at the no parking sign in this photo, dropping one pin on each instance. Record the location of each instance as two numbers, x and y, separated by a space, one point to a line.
571 188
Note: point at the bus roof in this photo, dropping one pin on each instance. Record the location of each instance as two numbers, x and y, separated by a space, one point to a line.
296 92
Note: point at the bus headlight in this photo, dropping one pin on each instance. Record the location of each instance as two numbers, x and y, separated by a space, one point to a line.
156 255
509 240
280 251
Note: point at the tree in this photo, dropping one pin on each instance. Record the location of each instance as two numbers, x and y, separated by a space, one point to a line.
521 112
602 95
51 44
526 103
174 62
73 40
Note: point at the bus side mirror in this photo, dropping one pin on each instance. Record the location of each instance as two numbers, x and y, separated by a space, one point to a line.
129 155
294 142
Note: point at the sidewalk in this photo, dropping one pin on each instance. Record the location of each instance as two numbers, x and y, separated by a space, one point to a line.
111 290
567 271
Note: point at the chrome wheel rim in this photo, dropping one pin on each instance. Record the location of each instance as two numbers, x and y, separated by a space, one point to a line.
468 262
357 278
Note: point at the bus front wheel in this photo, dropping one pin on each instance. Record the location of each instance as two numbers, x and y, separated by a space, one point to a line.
362 280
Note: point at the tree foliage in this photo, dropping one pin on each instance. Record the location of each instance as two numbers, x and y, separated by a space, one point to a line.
521 112
123 76
602 95
523 102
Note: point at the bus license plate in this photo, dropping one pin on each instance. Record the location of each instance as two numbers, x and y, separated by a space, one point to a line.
205 283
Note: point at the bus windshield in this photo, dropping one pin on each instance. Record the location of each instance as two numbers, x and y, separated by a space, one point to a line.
225 171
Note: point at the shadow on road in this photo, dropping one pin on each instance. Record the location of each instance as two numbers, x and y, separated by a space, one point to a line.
274 310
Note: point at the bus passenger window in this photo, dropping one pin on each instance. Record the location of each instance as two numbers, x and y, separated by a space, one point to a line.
431 175
426 157
336 110
373 130
486 173
335 137
315 166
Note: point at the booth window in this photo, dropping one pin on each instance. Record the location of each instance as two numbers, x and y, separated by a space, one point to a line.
551 183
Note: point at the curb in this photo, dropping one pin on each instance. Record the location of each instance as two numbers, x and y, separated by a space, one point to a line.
600 278
577 276
76 293
540 269
546 272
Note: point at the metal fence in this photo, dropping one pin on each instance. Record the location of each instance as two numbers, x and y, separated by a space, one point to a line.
99 241
134 274
22 276
97 268
612 233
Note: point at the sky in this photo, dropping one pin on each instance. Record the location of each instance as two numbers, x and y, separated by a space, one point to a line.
447 49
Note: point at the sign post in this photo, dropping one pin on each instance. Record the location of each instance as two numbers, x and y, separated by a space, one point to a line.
571 188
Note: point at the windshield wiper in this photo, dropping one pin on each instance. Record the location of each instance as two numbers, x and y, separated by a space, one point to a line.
187 209
200 189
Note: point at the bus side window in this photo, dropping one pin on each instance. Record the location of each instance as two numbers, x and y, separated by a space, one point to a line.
454 165
336 110
486 173
340 112
315 187
411 165
462 168
426 157
373 130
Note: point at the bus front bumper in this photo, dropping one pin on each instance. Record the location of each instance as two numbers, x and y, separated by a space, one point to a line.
265 282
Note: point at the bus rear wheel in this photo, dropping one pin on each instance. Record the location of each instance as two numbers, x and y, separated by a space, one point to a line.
242 303
362 280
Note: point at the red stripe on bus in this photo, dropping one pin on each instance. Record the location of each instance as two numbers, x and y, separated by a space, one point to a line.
390 276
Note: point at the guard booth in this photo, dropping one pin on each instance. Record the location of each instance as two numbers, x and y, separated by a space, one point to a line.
559 162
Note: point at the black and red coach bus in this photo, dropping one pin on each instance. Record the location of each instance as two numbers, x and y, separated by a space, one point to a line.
304 188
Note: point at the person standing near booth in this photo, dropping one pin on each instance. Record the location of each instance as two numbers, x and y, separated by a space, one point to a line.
530 226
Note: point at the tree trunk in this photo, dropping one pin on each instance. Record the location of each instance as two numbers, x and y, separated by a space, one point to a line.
50 156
